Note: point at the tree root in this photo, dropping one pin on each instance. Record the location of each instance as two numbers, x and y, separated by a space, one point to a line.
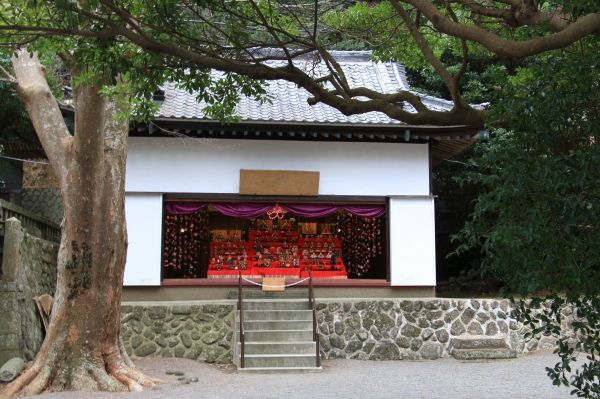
111 371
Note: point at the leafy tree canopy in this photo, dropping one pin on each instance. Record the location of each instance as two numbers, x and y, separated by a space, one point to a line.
536 219
536 61
234 37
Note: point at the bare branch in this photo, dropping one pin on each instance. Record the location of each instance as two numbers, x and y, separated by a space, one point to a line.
429 55
43 109
583 26
58 31
465 51
9 77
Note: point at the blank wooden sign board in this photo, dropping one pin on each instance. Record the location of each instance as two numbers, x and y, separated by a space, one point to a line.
273 284
279 182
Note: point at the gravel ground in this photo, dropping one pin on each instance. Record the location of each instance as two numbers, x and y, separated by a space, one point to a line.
524 377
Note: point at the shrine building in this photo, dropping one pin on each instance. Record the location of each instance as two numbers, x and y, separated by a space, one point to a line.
287 189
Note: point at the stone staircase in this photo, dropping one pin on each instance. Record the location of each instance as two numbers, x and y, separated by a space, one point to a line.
278 334
481 348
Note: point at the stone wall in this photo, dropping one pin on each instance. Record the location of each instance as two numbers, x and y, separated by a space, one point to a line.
28 270
414 329
379 329
193 330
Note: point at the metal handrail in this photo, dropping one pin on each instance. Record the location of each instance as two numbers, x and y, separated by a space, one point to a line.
242 331
311 306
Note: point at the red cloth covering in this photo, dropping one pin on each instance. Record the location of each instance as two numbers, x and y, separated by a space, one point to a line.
335 274
276 271
228 273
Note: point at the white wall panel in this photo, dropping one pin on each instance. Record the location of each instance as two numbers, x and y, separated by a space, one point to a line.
412 241
143 213
167 165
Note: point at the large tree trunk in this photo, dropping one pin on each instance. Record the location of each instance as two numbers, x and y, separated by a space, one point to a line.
81 350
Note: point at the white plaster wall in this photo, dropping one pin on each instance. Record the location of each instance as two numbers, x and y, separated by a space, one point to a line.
171 165
143 213
412 241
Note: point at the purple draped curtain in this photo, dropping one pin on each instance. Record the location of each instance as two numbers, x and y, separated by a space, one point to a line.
246 211
310 211
251 211
183 208
314 211
366 211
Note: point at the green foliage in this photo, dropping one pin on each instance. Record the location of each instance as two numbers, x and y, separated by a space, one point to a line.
536 221
377 25
110 62
584 338
14 121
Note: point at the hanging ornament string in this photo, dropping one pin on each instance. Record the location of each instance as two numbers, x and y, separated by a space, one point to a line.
182 252
276 212
361 242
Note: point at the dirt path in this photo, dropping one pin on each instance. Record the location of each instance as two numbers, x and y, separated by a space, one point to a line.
445 378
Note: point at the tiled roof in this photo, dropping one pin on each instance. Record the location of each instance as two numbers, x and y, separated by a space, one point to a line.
289 103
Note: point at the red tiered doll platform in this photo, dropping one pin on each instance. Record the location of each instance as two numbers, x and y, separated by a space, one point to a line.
277 253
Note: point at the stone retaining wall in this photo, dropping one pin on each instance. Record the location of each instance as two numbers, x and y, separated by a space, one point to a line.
28 270
197 331
381 329
414 329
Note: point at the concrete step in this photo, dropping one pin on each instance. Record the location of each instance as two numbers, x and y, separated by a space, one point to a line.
252 325
478 342
278 370
276 304
483 354
279 360
278 335
274 347
257 293
302 314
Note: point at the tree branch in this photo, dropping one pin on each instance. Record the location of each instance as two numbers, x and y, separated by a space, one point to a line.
465 51
43 110
429 56
9 77
583 26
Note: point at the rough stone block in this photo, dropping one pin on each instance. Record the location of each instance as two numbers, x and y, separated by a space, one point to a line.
442 336
210 337
353 346
467 315
181 309
491 329
157 312
475 328
403 342
482 317
478 343
457 328
186 339
385 350
426 334
146 349
431 350
179 351
415 344
9 342
11 323
410 331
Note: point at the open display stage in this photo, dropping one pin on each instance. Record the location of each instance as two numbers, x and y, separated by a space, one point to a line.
277 253
220 240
